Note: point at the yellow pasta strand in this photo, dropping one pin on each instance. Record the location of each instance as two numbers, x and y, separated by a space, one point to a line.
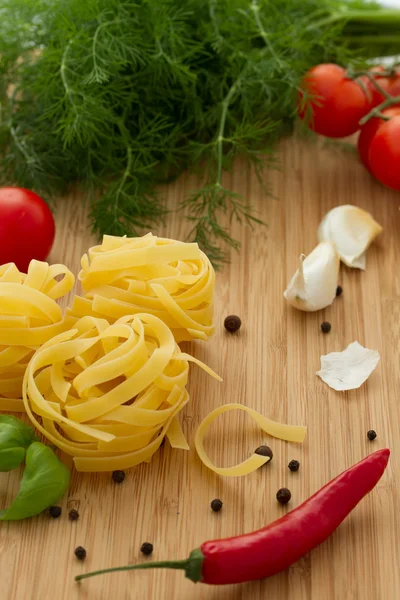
107 394
290 433
29 317
171 280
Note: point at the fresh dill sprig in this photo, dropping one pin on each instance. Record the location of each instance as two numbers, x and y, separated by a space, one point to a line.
120 95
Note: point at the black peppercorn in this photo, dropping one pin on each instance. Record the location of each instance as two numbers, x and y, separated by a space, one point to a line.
264 451
118 476
80 553
283 495
339 290
146 548
55 511
232 323
371 435
73 515
294 465
216 505
325 327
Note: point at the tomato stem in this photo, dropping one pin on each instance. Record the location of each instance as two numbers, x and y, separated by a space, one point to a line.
377 111
372 77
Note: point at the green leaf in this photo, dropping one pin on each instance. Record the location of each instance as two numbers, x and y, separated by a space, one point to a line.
15 437
44 481
118 95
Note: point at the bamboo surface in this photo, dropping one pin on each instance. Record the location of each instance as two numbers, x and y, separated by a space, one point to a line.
270 366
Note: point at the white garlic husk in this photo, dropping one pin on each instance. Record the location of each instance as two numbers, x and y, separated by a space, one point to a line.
347 370
314 284
352 230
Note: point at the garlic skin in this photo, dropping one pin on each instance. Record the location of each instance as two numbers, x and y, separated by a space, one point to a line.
352 230
314 284
349 369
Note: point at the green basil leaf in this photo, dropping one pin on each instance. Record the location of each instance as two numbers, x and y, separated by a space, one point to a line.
44 481
15 437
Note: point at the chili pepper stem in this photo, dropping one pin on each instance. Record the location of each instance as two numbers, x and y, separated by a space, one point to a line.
192 567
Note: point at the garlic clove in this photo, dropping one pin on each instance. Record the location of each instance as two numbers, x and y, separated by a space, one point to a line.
349 369
352 230
314 284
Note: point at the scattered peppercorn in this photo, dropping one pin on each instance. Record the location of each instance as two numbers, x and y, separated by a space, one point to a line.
283 495
264 451
232 323
326 327
216 505
118 476
80 553
339 290
371 435
146 548
55 511
73 515
294 465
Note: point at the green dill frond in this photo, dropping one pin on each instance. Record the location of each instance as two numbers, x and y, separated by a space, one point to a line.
118 95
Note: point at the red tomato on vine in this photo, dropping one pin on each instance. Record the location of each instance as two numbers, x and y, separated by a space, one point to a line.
368 132
337 103
384 153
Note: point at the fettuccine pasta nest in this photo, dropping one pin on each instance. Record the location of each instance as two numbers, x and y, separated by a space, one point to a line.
107 394
166 278
29 316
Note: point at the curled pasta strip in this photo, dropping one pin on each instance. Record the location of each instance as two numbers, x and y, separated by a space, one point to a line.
29 316
169 279
108 394
290 433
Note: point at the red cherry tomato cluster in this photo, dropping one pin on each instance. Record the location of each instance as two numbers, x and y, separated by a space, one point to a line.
332 104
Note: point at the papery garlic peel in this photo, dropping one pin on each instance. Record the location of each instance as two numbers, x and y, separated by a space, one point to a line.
352 230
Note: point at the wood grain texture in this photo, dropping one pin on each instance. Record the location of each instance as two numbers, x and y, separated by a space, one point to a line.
270 366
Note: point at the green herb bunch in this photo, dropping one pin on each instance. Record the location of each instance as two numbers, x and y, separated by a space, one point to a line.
121 95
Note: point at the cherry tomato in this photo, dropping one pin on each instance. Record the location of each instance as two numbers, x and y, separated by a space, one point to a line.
338 104
26 227
384 153
369 130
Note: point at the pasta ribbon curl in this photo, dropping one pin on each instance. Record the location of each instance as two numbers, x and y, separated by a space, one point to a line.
29 317
108 394
171 280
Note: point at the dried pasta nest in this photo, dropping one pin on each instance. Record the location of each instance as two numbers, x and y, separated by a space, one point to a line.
29 316
107 394
169 279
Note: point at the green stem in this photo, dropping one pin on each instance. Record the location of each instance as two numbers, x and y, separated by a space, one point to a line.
377 111
372 77
221 130
192 567
96 37
63 69
255 7
372 39
167 564
19 145
376 17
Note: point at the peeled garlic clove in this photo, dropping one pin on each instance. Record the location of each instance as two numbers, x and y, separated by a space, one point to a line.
352 230
349 369
314 284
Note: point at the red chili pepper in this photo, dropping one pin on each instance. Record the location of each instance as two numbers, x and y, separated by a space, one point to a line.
275 547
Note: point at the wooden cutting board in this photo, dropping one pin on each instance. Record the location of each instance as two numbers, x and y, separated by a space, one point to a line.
271 367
